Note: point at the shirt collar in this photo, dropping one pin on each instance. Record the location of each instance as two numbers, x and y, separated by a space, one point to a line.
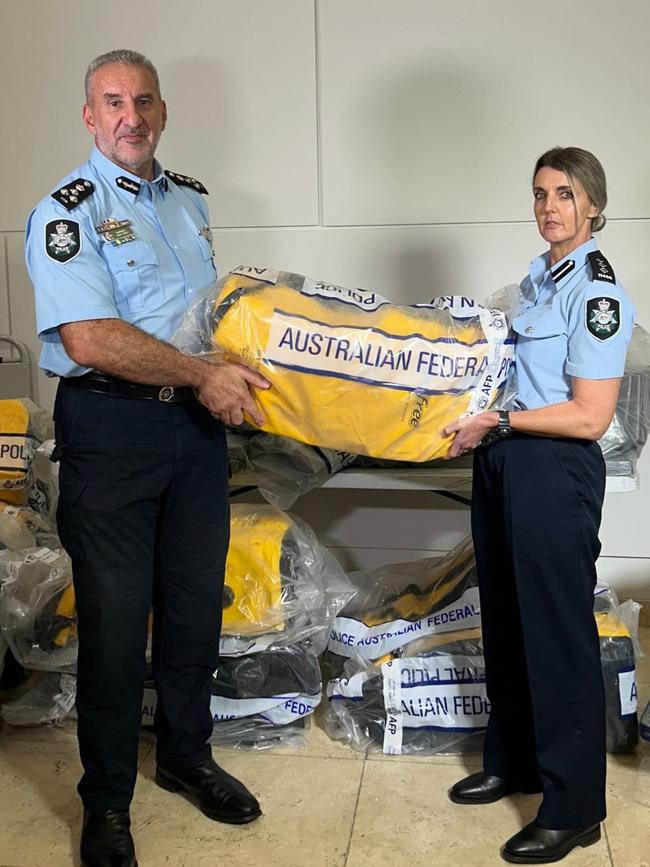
121 179
540 269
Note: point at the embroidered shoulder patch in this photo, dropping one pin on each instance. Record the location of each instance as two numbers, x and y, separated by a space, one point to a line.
600 267
185 181
603 317
74 193
62 240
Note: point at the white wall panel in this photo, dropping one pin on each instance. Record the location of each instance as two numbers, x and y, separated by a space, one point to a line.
629 576
410 264
435 112
239 79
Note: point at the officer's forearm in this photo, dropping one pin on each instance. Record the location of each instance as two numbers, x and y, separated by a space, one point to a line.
119 349
586 416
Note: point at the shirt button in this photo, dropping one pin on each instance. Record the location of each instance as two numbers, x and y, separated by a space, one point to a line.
130 262
530 329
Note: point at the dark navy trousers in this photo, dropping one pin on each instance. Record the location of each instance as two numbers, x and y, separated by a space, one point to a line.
143 513
536 507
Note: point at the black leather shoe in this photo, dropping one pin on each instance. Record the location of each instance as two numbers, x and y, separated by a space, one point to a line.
219 796
535 845
482 788
106 839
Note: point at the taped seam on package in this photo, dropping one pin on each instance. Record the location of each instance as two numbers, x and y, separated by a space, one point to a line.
351 637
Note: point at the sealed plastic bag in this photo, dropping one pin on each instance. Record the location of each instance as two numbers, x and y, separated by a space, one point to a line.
23 427
259 700
396 604
421 704
414 610
22 527
37 612
44 492
282 586
286 469
48 702
618 634
623 441
349 370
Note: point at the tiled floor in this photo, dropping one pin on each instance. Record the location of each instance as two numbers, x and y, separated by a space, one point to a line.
324 806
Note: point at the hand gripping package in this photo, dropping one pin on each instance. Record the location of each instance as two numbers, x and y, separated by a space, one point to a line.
349 370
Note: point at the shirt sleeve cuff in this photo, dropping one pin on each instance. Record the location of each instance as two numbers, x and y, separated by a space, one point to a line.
588 372
47 331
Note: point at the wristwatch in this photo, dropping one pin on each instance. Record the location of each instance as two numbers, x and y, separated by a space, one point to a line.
503 428
501 431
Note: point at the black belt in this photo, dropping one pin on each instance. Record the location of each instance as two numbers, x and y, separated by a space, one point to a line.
102 384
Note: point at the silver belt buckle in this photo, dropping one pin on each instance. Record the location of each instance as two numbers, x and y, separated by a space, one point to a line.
166 394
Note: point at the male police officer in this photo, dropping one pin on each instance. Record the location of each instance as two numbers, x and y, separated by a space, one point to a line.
116 254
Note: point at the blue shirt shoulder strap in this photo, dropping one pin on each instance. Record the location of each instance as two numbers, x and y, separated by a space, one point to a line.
186 181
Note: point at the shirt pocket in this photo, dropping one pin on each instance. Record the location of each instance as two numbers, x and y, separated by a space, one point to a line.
135 270
540 323
208 271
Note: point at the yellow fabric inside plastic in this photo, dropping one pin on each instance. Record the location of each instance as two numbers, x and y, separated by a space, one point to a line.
341 411
609 626
15 451
253 573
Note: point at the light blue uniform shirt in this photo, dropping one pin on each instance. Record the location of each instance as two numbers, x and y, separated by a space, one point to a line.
575 320
146 273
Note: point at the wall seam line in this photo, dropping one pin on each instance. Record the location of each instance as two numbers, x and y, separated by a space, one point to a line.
317 83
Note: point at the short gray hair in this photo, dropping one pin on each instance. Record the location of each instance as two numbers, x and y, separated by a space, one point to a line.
124 56
582 166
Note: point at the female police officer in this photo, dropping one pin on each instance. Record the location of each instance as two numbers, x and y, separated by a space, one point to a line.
536 506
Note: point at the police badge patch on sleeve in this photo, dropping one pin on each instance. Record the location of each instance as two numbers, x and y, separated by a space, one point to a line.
603 317
62 240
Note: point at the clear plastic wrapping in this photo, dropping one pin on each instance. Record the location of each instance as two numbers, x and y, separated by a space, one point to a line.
396 604
44 492
22 527
37 613
626 436
349 370
23 427
282 592
286 469
282 586
618 636
261 700
413 704
48 702
406 668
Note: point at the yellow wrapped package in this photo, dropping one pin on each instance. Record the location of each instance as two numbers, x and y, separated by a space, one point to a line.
253 591
23 426
348 369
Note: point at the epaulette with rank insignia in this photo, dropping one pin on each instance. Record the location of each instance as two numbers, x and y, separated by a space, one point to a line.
600 267
73 193
185 181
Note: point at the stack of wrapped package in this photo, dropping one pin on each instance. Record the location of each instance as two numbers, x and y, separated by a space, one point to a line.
28 491
406 662
27 484
282 592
